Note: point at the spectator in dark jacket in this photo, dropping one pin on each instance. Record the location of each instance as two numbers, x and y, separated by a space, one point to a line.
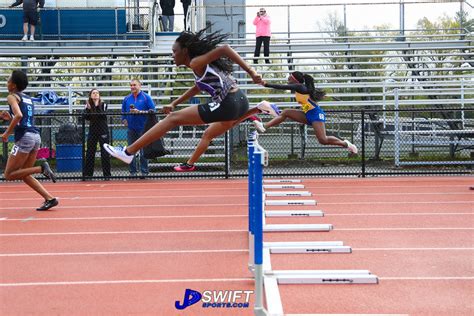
30 16
98 133
167 14
186 4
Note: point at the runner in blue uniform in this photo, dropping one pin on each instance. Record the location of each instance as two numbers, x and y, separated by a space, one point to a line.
20 164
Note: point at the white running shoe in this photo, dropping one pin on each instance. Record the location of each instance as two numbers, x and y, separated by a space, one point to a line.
32 38
24 38
351 147
259 126
268 108
119 153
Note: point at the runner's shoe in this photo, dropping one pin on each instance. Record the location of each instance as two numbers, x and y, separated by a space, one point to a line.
119 153
48 204
351 147
184 167
47 172
259 126
268 108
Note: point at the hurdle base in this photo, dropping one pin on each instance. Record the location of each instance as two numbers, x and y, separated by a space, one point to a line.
281 181
297 227
290 202
288 193
312 250
323 277
295 213
283 186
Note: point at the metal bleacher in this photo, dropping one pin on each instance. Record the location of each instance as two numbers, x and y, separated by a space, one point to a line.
356 72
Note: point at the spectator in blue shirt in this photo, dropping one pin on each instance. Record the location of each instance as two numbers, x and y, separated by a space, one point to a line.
136 102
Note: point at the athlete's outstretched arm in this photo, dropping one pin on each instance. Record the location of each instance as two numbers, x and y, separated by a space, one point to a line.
298 87
191 92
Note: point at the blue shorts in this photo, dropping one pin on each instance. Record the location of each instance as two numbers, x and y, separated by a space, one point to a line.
315 115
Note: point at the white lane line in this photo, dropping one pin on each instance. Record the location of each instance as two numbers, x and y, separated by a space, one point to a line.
182 281
130 232
152 252
205 231
403 228
112 253
236 204
27 219
220 216
223 194
3 218
378 314
395 202
131 206
133 217
221 186
414 249
396 214
425 278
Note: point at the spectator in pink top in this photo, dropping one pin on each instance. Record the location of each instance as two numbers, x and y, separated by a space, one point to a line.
262 22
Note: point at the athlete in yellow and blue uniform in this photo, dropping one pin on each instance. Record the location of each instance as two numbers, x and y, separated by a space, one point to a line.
307 95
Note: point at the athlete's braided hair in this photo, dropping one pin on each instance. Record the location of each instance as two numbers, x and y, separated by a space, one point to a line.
200 43
315 94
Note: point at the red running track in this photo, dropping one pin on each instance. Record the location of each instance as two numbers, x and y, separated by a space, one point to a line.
135 247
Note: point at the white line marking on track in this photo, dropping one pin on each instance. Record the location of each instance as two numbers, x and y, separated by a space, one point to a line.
133 217
182 281
413 249
425 278
130 232
223 194
27 219
396 214
97 253
235 204
3 218
405 228
205 231
219 216
152 252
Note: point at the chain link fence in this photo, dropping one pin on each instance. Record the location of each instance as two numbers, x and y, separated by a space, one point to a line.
391 142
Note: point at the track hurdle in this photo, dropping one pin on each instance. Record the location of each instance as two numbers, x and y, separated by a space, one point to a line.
259 259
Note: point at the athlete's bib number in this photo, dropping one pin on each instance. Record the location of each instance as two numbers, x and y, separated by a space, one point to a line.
214 106
14 150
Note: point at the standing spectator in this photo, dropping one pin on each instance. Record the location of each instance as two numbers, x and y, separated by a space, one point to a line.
167 14
262 22
186 4
98 133
136 102
20 164
30 16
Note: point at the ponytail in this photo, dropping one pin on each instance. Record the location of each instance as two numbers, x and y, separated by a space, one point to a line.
315 94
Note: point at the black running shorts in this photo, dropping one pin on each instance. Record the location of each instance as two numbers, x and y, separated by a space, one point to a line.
234 105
